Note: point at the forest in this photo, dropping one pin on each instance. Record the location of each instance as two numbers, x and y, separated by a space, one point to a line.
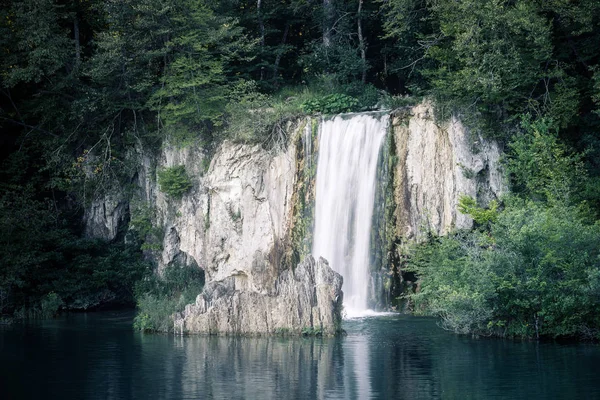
84 82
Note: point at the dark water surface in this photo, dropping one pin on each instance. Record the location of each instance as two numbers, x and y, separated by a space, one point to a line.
99 356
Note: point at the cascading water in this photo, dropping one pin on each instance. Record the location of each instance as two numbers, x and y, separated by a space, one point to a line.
346 179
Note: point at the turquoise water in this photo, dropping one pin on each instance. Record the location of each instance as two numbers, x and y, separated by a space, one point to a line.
99 356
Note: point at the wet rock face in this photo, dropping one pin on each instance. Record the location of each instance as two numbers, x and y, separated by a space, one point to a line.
308 297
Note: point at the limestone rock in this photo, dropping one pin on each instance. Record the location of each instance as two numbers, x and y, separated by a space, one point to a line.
437 163
106 216
310 296
236 220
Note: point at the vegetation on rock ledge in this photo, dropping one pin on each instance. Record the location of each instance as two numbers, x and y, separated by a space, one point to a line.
174 181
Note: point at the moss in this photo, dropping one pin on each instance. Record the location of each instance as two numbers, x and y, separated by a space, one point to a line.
300 239
312 331
384 261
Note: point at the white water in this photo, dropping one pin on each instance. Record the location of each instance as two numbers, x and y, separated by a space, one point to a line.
346 174
307 143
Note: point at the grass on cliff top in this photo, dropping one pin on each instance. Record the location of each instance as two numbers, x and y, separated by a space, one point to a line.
255 117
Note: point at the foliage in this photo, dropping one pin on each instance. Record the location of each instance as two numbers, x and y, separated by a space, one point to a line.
482 216
390 102
50 305
330 104
542 168
159 298
142 226
311 331
47 267
255 117
192 90
498 59
339 59
174 181
533 272
535 275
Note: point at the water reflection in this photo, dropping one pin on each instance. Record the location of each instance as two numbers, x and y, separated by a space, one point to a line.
259 368
99 356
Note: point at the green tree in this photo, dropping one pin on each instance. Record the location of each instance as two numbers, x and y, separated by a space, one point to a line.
542 168
193 86
499 58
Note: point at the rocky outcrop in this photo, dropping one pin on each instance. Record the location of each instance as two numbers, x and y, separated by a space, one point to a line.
233 220
106 216
249 211
436 164
307 298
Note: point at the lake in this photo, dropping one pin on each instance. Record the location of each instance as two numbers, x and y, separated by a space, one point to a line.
100 356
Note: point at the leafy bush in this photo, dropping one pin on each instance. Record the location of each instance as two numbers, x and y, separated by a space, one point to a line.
482 216
311 331
530 270
155 313
50 305
542 168
255 117
47 267
331 104
97 274
367 95
159 298
534 274
174 181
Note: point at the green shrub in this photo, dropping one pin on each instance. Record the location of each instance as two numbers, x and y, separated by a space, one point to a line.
541 166
331 104
155 313
482 216
311 331
174 181
159 298
50 305
367 95
534 274
282 331
254 117
141 226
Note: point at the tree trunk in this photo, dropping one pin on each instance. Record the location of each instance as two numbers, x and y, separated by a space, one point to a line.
77 43
280 51
361 42
327 21
261 27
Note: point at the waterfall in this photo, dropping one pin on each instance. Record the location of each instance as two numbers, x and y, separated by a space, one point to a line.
307 144
345 190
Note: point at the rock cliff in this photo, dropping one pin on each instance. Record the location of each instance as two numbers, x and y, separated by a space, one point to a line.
436 164
248 210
